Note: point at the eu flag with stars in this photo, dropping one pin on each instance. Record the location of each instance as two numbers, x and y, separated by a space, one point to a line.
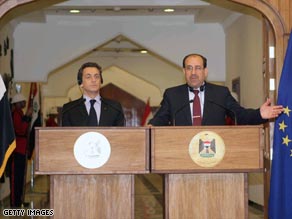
280 201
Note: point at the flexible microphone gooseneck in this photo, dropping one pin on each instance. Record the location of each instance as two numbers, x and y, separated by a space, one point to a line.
180 109
71 107
223 107
114 107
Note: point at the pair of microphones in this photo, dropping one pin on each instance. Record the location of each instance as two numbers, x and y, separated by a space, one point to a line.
82 100
208 100
201 89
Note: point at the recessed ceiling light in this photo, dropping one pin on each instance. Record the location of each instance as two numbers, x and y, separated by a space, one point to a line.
169 10
116 8
143 51
74 11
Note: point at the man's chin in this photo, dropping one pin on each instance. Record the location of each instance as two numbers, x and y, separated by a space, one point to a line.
194 85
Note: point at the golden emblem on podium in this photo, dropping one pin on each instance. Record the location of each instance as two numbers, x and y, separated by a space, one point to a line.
207 149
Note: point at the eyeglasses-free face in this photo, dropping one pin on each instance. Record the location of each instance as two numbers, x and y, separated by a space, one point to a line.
91 81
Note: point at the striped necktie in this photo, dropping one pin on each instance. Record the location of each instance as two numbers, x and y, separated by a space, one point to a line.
197 119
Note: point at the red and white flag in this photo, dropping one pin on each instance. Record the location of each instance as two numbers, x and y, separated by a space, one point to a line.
34 101
147 113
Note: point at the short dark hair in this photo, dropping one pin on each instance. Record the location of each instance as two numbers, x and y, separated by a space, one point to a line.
195 54
86 65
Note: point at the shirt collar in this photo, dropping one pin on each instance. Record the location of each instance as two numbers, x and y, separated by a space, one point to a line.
87 98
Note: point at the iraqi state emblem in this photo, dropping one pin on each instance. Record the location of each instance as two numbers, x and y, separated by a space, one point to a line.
207 149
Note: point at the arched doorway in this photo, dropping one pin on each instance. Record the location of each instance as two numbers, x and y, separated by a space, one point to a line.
273 17
267 9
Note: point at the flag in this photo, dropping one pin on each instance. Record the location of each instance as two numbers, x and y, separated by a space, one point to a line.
34 102
7 135
280 201
147 113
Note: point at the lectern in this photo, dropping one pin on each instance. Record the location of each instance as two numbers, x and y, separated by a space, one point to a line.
78 191
206 168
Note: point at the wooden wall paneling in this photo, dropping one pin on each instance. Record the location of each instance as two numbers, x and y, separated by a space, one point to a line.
284 11
133 106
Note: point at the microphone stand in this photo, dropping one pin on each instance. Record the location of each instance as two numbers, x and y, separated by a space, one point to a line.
179 109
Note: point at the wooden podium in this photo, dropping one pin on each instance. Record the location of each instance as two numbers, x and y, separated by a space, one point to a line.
104 192
215 192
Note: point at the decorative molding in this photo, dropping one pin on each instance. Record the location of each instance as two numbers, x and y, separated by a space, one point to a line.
6 6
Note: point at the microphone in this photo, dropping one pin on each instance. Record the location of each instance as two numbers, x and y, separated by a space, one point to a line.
73 106
223 107
202 88
180 109
114 107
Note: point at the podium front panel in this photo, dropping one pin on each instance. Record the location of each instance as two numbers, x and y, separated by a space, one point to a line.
55 150
206 195
92 196
170 149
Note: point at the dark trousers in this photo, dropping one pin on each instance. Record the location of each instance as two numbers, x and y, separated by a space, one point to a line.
17 178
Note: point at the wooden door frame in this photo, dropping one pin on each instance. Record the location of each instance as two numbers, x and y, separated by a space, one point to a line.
280 27
278 21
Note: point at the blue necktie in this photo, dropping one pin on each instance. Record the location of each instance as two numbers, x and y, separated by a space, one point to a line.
92 118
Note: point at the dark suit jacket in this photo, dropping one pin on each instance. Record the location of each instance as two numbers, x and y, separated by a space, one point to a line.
175 108
74 113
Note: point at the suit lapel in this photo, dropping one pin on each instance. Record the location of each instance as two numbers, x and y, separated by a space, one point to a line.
207 106
103 114
187 110
82 112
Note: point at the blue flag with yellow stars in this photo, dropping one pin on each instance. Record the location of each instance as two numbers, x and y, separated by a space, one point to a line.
280 202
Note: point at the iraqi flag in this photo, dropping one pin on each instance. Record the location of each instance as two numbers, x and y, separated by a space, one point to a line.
34 102
147 113
7 135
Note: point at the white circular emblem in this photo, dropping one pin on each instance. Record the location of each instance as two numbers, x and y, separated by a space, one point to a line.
92 150
207 149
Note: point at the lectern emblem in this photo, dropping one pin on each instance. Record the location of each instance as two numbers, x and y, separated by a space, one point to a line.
92 150
207 149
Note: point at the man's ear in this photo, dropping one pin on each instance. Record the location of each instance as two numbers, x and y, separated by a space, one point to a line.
206 72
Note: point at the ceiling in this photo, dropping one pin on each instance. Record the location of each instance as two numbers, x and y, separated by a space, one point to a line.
222 12
209 11
203 11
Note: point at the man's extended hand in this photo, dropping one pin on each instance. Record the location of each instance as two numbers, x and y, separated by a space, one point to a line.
270 112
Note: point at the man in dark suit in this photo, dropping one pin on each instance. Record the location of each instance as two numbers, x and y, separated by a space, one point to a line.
215 102
79 112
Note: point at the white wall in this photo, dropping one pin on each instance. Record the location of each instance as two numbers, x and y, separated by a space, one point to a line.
41 48
53 51
244 52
